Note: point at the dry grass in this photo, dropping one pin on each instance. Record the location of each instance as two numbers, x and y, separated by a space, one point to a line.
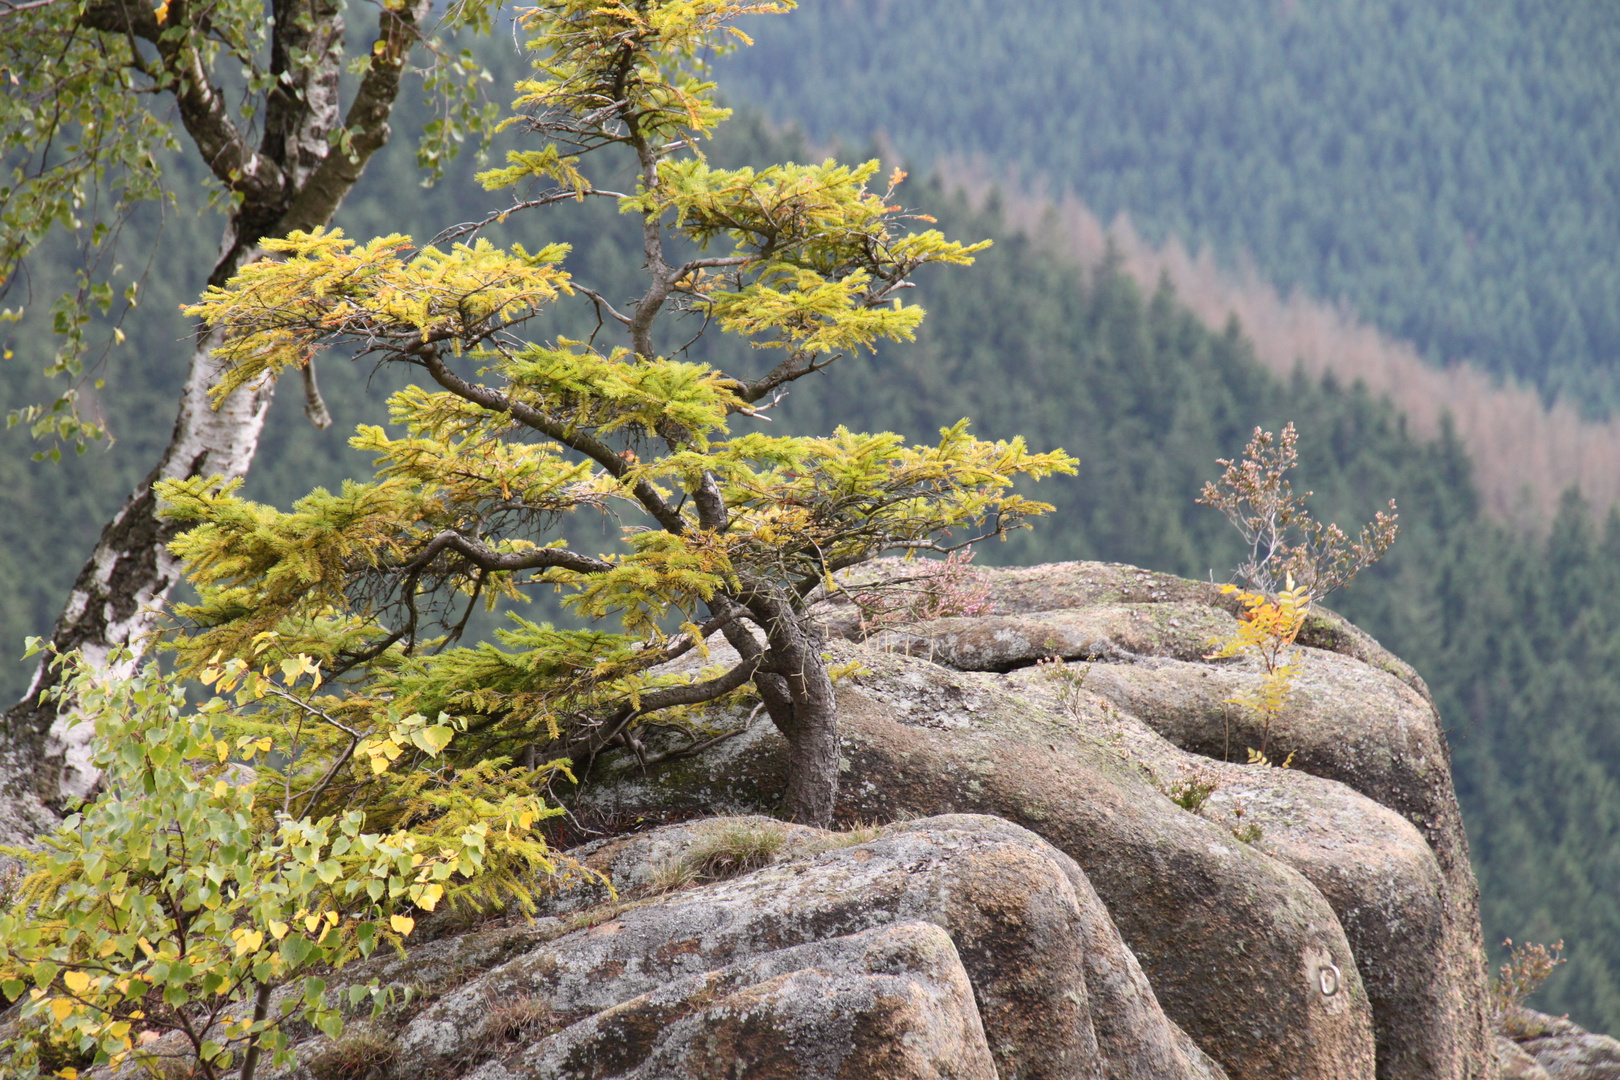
730 848
1525 455
516 1022
358 1055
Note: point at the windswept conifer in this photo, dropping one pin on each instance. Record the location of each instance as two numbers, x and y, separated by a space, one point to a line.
727 530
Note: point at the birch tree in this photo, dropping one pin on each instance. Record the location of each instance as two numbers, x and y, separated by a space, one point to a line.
92 85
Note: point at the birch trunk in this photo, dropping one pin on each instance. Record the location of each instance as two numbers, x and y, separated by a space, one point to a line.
289 181
119 595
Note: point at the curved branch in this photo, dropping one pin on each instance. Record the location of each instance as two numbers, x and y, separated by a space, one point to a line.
600 301
698 693
593 448
487 558
789 370
203 108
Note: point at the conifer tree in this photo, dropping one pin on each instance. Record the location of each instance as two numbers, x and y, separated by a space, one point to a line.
728 530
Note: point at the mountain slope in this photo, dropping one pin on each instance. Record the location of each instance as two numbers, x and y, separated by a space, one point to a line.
1451 170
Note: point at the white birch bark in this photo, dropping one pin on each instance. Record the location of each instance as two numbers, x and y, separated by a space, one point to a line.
119 596
290 181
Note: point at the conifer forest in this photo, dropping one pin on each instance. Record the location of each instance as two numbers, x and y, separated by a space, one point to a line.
1442 178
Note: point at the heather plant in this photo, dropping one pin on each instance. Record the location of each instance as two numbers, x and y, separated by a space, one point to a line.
1527 967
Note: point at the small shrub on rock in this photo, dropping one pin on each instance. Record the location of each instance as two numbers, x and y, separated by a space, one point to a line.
1528 966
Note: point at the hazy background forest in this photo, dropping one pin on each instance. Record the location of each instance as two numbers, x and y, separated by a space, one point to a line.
1400 202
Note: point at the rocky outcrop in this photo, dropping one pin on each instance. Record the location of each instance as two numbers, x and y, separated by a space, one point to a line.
1559 1049
1052 869
950 948
1338 939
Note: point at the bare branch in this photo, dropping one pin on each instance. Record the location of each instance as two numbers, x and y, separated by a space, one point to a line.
469 228
486 558
598 451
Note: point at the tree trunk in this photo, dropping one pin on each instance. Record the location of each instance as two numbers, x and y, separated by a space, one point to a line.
799 696
118 599
294 182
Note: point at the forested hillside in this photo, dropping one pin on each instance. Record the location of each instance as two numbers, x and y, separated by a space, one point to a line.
1451 169
1517 637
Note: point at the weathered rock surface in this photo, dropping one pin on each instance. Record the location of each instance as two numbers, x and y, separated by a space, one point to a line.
1516 1064
1560 1049
953 947
1350 923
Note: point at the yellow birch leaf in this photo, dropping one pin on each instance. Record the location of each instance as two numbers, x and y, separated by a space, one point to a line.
402 924
77 981
278 930
61 1008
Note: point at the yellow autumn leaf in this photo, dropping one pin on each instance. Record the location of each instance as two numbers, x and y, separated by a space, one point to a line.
223 749
278 930
311 922
430 897
77 981
61 1008
248 941
402 924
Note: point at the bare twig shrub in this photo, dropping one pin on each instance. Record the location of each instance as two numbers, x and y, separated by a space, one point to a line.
1527 967
937 589
1287 547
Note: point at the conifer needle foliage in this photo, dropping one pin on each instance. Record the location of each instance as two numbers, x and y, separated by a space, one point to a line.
727 530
